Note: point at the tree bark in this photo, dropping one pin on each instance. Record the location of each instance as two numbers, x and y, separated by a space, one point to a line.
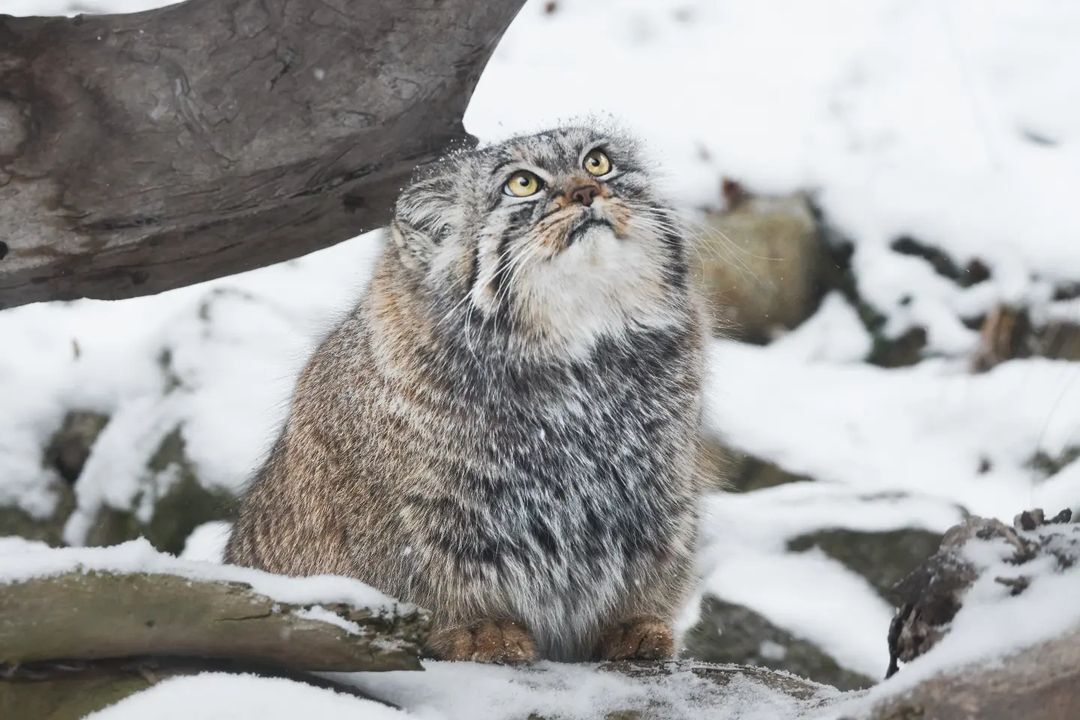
148 151
100 615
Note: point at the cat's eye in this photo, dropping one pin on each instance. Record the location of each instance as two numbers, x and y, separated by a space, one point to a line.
523 184
597 163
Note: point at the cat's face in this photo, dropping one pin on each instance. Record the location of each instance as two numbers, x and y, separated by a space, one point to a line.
555 236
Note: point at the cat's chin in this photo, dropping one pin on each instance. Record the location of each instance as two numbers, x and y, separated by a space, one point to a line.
590 228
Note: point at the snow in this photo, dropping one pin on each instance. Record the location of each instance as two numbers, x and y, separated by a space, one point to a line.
992 624
321 614
216 359
955 122
219 696
572 691
924 429
493 692
74 7
830 601
744 560
206 543
833 334
21 560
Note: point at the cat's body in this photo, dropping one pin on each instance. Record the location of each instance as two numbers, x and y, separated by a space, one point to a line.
504 429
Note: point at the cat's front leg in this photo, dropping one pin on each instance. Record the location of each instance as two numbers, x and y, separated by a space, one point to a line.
490 640
645 637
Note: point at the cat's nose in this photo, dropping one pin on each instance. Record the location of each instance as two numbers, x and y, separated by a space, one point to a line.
584 194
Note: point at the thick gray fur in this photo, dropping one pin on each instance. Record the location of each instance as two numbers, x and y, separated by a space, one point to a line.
505 426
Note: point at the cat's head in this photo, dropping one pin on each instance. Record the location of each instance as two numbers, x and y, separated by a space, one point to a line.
551 239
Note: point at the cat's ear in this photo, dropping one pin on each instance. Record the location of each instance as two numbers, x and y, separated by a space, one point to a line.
415 246
423 219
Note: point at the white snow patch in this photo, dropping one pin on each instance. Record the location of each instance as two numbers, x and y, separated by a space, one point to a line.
469 691
812 596
930 429
834 334
216 361
218 696
321 614
206 543
772 650
21 560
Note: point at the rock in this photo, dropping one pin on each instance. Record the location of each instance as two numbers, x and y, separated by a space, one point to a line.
1040 683
73 690
725 468
184 505
1058 341
1005 334
70 446
762 264
722 674
887 351
973 273
882 558
70 697
757 474
16 521
902 351
677 690
1047 465
729 633
929 598
66 453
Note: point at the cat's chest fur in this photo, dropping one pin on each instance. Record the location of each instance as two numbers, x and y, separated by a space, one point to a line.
583 481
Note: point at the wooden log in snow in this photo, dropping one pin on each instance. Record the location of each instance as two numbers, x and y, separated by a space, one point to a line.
148 151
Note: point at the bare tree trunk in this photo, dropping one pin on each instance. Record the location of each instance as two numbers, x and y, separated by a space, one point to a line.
148 151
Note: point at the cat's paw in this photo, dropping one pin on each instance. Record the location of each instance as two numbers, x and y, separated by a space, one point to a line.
639 638
490 641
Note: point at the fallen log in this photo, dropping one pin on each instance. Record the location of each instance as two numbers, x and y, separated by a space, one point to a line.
1040 683
148 151
100 615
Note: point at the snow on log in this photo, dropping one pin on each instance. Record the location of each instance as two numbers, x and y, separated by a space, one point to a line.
131 601
95 615
148 151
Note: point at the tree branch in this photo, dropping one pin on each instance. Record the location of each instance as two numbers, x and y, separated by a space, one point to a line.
148 151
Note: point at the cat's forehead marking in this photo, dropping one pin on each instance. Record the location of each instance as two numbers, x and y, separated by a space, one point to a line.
552 150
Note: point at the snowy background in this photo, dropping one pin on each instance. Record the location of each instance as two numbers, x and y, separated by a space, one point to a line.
956 123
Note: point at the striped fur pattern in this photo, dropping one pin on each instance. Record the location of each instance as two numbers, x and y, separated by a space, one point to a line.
504 429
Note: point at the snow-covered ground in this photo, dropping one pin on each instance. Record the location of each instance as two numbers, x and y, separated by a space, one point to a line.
953 121
1046 610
